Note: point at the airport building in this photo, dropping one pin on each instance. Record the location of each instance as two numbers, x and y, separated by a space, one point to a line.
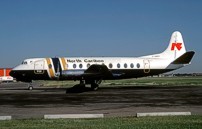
4 75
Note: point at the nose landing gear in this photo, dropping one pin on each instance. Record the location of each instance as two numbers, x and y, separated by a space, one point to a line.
30 86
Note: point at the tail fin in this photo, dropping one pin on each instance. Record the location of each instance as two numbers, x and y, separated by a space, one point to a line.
176 47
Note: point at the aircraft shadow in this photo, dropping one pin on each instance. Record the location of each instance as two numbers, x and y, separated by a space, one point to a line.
78 89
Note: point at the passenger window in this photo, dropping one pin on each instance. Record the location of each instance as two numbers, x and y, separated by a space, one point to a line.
110 65
132 65
125 65
88 65
80 66
138 65
74 66
118 65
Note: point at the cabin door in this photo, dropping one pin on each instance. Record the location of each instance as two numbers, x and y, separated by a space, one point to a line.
39 67
146 66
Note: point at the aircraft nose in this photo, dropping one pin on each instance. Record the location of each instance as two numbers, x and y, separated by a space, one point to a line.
12 73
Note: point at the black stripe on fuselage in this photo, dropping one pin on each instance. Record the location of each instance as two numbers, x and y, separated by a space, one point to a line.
57 65
27 75
136 73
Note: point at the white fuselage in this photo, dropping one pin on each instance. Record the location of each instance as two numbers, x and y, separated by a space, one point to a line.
93 69
135 67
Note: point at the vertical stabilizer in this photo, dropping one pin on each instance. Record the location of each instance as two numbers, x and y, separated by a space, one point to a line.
176 46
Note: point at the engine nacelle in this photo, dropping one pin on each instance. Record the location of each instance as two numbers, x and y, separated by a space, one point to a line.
72 73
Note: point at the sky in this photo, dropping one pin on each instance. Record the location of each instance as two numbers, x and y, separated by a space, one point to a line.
50 28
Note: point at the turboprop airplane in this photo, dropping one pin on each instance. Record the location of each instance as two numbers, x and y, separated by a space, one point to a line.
92 70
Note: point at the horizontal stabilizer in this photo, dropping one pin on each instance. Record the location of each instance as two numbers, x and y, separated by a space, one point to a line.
185 58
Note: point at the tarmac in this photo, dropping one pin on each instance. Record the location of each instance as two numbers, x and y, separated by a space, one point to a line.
113 101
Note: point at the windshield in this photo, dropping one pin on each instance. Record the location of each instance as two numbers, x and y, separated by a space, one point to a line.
24 62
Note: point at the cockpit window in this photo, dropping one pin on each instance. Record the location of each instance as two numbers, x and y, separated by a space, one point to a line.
24 62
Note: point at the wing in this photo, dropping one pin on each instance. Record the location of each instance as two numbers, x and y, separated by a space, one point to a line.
97 71
93 72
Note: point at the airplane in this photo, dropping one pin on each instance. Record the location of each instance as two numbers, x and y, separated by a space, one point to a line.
92 70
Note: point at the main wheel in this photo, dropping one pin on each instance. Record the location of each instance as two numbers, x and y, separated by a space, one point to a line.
94 86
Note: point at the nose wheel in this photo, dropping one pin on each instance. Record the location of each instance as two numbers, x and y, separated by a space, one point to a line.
30 87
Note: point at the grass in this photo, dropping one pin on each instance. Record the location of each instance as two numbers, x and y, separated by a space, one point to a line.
147 81
171 122
162 81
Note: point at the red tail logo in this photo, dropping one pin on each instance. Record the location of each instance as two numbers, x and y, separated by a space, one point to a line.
176 45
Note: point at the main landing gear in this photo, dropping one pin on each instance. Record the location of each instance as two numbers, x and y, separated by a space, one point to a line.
94 84
81 87
82 84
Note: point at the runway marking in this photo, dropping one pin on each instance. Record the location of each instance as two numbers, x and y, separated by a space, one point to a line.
73 116
164 114
5 117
